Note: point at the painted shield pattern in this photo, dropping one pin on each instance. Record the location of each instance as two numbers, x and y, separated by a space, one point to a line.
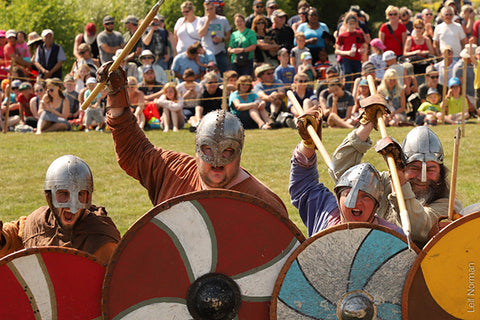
48 283
191 242
444 278
343 263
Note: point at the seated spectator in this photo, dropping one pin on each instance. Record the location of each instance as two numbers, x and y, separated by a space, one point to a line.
75 116
13 107
367 70
307 67
34 103
149 86
363 93
210 99
322 64
148 58
453 103
431 81
172 103
137 100
269 90
391 63
94 112
190 60
430 111
190 91
231 77
305 96
284 72
394 94
340 102
129 67
26 115
54 108
247 106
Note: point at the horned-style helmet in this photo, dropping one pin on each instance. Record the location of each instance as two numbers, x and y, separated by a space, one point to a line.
73 174
218 131
362 177
422 144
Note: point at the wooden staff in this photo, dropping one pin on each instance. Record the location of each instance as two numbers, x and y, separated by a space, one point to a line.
311 131
393 170
464 94
129 46
445 82
453 178
224 95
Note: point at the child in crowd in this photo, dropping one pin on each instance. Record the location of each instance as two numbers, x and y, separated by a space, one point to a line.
284 72
340 102
430 110
453 102
307 68
81 77
363 92
322 64
172 104
75 117
377 57
94 112
296 52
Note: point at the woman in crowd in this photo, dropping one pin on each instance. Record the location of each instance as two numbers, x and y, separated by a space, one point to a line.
418 46
242 44
304 94
393 33
54 108
186 28
393 92
313 30
266 50
248 107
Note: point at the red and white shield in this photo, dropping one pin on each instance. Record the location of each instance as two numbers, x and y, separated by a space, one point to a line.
208 235
50 283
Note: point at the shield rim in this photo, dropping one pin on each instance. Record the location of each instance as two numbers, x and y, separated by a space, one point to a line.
195 195
49 249
418 261
306 243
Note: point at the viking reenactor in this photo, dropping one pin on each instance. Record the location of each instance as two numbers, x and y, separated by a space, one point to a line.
69 220
422 174
356 196
165 174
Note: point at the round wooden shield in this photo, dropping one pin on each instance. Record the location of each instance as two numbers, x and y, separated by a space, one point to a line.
442 283
203 235
354 260
50 283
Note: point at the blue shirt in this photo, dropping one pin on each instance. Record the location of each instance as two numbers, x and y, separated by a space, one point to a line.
285 74
268 88
181 63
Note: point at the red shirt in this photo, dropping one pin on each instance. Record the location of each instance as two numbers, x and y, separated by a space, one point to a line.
347 39
390 42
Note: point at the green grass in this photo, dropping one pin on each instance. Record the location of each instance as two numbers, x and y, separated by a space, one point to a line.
26 157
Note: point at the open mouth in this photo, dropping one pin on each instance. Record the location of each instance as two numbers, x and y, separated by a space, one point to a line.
217 169
357 212
68 216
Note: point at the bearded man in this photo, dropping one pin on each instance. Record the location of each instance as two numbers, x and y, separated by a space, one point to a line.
420 167
69 220
165 174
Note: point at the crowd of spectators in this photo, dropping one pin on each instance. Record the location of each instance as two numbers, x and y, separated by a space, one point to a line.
175 77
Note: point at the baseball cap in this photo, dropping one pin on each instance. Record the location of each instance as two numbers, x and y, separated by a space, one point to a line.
377 43
389 55
368 67
90 29
147 68
454 81
91 80
363 83
130 19
10 33
2 33
16 83
47 32
431 69
279 13
68 78
108 19
25 86
257 2
306 55
432 91
271 3
211 64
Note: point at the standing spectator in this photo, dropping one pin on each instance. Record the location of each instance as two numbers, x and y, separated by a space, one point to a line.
418 45
405 19
215 32
242 45
85 52
81 76
376 58
392 33
296 53
271 6
189 59
11 51
467 60
148 58
22 46
109 41
449 33
269 90
427 17
94 112
302 8
247 106
34 41
350 46
89 36
131 25
49 57
314 33
186 28
307 67
257 12
468 16
54 108
155 39
172 104
266 46
3 41
281 33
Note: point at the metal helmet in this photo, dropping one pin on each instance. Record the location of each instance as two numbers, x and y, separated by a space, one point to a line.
362 177
219 130
69 173
422 144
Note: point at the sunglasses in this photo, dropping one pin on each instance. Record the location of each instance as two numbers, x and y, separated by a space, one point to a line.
418 27
109 23
186 11
268 73
212 82
433 77
302 81
38 90
393 14
82 52
429 14
261 22
449 14
259 7
147 57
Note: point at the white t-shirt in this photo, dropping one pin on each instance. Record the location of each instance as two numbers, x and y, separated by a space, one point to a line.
187 33
449 34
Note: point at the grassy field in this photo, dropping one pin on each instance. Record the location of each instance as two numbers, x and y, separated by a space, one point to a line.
26 157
